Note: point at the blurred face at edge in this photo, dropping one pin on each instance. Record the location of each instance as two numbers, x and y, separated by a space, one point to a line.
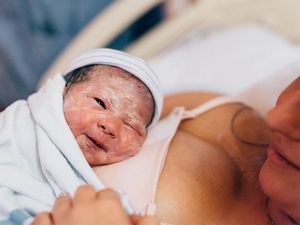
280 174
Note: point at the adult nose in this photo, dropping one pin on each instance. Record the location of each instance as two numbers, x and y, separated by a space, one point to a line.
110 126
272 118
281 119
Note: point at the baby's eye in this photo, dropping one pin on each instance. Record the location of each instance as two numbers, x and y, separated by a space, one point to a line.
133 128
100 102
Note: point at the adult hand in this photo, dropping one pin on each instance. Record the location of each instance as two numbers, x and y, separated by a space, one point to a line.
90 207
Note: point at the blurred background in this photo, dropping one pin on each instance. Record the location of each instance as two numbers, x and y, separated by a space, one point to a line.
34 32
39 36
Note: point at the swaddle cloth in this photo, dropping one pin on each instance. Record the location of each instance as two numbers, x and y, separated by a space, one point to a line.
39 156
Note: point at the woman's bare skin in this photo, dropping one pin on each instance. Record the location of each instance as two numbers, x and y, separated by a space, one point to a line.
211 172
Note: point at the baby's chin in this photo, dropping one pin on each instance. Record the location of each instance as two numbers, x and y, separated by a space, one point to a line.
107 160
99 158
95 158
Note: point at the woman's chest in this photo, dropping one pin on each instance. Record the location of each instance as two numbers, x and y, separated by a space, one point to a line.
201 184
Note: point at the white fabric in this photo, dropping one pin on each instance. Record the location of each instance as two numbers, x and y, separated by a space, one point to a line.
138 176
226 61
135 66
39 156
262 95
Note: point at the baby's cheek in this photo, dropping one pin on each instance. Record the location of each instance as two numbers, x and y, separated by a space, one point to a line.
131 144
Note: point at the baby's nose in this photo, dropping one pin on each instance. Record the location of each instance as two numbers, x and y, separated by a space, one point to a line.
107 131
110 126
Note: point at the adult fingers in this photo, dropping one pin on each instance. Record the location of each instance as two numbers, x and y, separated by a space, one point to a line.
108 193
43 219
62 207
85 193
135 218
110 200
109 204
147 220
143 220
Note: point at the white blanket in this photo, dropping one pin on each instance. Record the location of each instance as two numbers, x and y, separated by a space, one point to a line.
225 61
39 156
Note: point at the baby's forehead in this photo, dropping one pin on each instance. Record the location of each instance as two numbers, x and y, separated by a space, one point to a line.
113 72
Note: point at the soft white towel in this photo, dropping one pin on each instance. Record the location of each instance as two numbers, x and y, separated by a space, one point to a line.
39 156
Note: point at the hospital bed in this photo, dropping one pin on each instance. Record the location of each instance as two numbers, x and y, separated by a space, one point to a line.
235 47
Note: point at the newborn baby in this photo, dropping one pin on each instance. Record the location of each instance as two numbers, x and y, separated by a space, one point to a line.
108 110
95 112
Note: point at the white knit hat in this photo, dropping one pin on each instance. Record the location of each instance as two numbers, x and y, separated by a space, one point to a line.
135 66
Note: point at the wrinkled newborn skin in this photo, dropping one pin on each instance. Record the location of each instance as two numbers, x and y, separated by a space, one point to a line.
108 114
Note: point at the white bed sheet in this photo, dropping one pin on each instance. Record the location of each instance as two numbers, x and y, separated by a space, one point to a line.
235 62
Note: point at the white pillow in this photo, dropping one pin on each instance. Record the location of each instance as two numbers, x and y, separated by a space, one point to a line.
225 61
263 94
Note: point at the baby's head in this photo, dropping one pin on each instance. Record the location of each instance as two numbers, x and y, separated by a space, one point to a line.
110 99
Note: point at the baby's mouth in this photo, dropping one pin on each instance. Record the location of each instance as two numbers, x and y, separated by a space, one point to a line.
98 144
